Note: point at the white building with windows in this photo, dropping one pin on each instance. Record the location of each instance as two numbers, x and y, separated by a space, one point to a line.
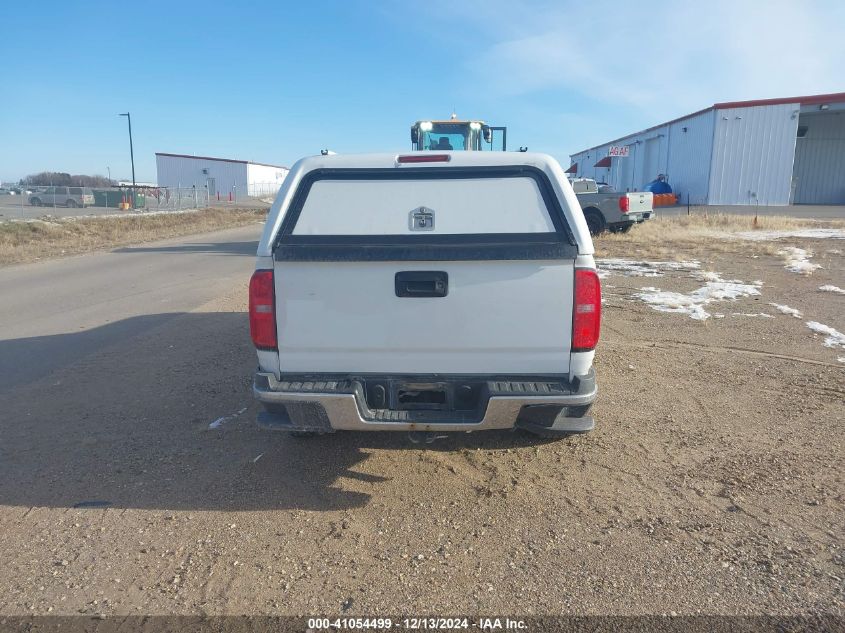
769 152
222 176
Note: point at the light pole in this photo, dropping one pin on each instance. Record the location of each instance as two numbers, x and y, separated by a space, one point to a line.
109 169
131 155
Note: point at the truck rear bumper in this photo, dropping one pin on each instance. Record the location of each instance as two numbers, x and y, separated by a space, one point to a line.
628 220
326 404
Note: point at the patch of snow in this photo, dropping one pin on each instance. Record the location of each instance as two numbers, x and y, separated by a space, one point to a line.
692 304
829 288
753 314
134 214
816 234
798 260
841 359
835 338
787 310
634 268
674 302
709 276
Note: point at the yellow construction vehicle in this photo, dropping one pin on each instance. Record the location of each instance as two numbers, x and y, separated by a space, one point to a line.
455 134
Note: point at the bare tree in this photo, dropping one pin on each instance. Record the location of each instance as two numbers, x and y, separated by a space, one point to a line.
64 179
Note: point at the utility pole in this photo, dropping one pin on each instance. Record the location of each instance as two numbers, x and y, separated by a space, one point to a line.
131 155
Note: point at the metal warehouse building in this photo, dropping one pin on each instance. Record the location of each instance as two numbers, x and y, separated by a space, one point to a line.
768 152
222 176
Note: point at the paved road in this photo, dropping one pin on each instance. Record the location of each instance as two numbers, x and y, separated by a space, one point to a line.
134 289
16 208
11 209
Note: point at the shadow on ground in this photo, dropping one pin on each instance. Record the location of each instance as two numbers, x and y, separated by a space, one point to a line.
28 359
127 426
220 248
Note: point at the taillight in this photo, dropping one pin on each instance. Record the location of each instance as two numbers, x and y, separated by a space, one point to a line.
424 158
586 315
262 310
624 204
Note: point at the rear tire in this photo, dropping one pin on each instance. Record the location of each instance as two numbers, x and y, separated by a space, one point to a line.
71 204
35 202
595 221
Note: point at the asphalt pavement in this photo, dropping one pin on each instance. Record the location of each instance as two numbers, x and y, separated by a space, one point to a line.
17 208
45 301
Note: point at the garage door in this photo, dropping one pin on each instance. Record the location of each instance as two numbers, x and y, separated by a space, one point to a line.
820 159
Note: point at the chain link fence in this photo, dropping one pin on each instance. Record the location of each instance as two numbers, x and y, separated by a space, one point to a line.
263 189
34 202
171 198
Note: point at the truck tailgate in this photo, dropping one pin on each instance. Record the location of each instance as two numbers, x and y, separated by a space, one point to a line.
640 201
497 317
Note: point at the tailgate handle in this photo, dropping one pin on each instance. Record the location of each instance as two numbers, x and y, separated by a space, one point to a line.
422 283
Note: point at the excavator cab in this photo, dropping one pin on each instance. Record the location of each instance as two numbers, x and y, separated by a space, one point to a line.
474 136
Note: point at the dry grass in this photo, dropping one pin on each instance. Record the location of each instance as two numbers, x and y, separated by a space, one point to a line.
40 239
675 238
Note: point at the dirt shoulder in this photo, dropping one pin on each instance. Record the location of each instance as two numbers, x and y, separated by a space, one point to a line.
48 238
711 485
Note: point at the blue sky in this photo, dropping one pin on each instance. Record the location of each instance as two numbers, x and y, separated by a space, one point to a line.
274 81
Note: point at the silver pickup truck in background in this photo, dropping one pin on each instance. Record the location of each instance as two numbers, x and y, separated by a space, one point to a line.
608 210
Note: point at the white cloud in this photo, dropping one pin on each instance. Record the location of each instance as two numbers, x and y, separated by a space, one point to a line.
664 59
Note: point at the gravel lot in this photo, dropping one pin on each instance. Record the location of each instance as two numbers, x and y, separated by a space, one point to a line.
711 485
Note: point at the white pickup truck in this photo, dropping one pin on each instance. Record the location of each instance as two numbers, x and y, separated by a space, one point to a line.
429 292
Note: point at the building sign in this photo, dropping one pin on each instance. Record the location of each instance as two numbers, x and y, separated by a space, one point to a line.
618 150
